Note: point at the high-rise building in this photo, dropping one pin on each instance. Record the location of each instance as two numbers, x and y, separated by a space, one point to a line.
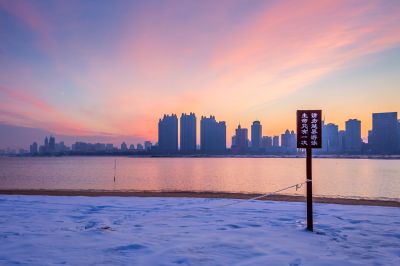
109 147
353 136
139 147
241 140
398 135
342 140
384 137
60 147
124 147
331 138
288 141
147 145
168 134
188 133
266 142
132 147
275 141
52 144
46 144
256 135
33 148
212 135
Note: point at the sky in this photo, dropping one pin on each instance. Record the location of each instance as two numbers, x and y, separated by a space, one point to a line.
113 68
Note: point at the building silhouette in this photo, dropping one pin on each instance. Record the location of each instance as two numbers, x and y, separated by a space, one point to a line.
139 147
341 140
46 145
353 136
330 138
52 145
147 145
212 135
188 133
398 135
266 142
288 141
124 147
275 141
168 134
256 135
384 136
33 149
241 143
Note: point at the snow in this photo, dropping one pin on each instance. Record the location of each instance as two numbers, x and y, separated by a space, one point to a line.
43 230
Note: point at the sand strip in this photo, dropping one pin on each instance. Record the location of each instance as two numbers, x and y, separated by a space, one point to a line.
192 194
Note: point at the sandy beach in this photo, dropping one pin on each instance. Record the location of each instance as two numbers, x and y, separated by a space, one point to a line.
194 194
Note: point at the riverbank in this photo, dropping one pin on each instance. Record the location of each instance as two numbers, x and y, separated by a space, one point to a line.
194 194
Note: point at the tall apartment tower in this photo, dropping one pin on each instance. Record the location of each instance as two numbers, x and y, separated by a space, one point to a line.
212 135
384 135
188 133
241 144
275 141
331 138
168 134
353 136
256 135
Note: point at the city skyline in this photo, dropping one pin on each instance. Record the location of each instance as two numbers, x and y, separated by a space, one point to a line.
179 136
115 70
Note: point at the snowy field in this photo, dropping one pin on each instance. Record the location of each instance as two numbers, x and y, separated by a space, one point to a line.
43 230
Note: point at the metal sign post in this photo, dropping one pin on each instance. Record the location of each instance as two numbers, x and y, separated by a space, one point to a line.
309 136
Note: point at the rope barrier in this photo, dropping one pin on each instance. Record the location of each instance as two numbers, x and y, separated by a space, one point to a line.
297 186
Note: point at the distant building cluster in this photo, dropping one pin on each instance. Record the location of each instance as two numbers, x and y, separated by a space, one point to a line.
50 147
383 138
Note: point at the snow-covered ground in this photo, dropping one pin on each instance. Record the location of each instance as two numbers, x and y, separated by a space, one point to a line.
43 230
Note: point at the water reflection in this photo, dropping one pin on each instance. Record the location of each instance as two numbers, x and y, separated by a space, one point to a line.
332 177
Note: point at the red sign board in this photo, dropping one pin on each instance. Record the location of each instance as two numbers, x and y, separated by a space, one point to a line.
309 129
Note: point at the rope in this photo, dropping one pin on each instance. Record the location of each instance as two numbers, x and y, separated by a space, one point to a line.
297 186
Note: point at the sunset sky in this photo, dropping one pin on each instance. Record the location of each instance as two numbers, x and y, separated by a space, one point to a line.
88 68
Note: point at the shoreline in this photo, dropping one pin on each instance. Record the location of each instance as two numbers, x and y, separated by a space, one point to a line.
268 156
194 194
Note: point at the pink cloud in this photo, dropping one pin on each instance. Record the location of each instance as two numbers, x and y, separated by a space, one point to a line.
167 62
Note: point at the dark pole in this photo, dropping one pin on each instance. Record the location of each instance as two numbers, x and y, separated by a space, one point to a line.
309 190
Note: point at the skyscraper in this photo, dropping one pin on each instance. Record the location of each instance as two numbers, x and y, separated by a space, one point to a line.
331 138
266 142
46 145
188 133
353 136
398 135
275 141
288 141
124 147
241 140
256 135
168 134
147 145
384 136
33 148
52 144
212 135
342 140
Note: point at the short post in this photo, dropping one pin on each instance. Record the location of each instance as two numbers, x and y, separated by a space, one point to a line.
310 225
